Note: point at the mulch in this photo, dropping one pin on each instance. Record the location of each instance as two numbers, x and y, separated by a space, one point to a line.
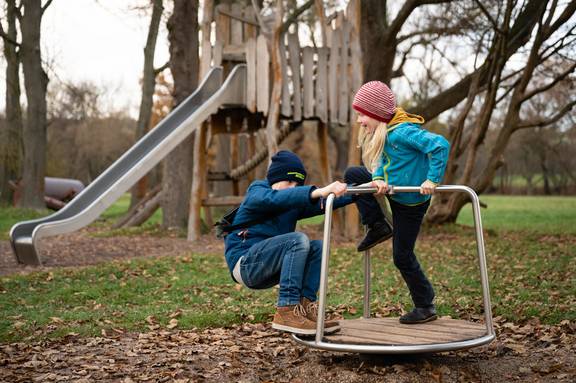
528 352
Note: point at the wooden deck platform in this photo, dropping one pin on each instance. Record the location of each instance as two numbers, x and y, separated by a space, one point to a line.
388 331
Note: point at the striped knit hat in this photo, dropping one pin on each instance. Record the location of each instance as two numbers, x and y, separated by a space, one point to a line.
374 99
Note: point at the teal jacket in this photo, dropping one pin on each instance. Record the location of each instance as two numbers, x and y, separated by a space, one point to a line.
411 156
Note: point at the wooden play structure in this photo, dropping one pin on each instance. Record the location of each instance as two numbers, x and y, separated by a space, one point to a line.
317 84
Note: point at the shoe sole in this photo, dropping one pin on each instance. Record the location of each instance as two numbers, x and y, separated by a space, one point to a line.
375 243
429 319
300 331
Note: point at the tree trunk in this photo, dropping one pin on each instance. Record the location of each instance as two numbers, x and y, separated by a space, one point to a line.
148 85
35 83
11 133
377 52
184 65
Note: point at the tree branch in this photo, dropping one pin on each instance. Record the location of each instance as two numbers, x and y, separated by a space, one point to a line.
46 6
489 17
544 88
563 18
157 71
568 107
7 38
294 16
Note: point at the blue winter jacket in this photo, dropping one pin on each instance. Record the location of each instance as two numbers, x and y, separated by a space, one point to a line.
283 207
411 156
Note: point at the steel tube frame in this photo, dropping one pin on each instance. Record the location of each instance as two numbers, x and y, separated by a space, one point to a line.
399 349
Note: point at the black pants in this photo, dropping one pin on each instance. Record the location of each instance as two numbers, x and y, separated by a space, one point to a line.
407 221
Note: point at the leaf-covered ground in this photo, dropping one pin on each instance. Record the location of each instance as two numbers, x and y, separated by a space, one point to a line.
534 320
255 353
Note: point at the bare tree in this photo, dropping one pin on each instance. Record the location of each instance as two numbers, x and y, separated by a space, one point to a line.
184 65
552 43
148 85
35 84
11 133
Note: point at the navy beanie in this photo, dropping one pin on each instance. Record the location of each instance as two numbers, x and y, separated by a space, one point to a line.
286 166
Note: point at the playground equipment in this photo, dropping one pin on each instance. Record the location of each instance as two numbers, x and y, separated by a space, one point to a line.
387 335
212 94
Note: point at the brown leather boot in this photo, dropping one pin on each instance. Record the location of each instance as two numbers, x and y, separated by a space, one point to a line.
293 319
311 308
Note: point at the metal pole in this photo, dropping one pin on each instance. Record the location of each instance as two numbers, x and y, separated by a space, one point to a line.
324 269
367 280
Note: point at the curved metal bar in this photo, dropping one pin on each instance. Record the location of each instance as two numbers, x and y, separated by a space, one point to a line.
399 349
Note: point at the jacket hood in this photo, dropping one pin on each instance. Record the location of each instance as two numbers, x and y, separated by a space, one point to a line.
401 116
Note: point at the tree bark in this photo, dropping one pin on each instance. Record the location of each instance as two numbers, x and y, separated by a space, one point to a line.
184 65
35 83
148 85
11 134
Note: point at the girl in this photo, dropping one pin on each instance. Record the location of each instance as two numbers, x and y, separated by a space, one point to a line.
397 151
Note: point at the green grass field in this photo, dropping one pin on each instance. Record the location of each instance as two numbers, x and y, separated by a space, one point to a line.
529 244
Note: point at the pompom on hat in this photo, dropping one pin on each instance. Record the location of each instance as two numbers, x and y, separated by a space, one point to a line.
375 99
286 166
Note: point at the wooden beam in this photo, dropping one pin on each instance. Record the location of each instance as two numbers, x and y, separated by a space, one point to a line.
262 75
308 83
294 51
198 179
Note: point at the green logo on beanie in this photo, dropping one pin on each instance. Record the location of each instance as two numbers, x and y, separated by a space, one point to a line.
297 175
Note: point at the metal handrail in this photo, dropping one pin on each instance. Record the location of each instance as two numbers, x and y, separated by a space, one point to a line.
319 343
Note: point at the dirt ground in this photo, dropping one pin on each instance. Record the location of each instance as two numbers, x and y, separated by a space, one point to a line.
527 352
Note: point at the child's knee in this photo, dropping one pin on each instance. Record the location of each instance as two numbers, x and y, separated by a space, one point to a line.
301 240
353 174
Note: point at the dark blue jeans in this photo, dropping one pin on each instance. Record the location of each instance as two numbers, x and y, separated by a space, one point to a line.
290 260
407 221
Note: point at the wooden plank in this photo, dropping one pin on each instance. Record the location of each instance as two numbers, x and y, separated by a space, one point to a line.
333 76
321 91
236 27
223 24
388 331
294 51
251 75
440 331
344 76
217 53
250 30
262 75
308 84
286 110
223 201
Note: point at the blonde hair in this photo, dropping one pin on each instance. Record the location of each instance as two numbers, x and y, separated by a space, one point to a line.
372 145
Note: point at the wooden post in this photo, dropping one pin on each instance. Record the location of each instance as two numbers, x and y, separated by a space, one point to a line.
198 180
352 216
286 103
344 76
333 76
262 75
206 28
308 83
294 50
251 75
321 91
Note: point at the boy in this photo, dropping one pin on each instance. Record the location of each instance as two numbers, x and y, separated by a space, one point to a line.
267 251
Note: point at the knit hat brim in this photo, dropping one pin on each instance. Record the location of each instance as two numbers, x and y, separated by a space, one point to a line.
385 119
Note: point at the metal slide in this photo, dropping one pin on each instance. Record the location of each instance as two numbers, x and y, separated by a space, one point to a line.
134 164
